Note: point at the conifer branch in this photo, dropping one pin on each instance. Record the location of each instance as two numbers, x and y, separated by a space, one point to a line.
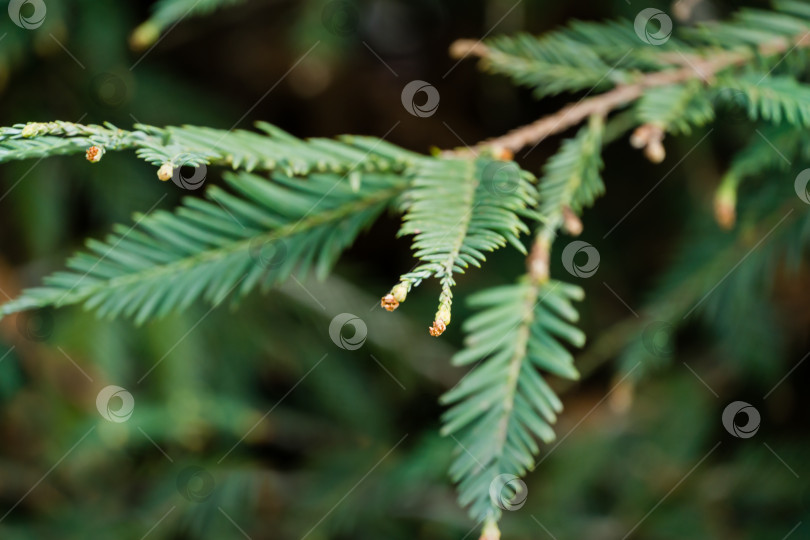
701 67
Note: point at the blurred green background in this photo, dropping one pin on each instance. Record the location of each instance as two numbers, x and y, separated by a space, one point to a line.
251 423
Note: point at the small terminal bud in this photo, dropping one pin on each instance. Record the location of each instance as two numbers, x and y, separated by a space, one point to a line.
438 328
461 48
649 137
490 532
392 300
389 302
502 153
441 322
94 154
655 151
144 36
640 137
725 203
165 172
400 292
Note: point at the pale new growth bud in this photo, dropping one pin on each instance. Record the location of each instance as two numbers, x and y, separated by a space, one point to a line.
389 303
649 137
462 48
655 151
144 36
441 322
400 292
502 153
392 300
165 172
725 204
94 154
640 137
490 532
438 328
725 214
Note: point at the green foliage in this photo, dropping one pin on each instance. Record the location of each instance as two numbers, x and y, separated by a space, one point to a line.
258 236
677 108
750 27
572 176
205 249
522 329
294 206
457 210
598 57
503 404
192 146
772 99
550 64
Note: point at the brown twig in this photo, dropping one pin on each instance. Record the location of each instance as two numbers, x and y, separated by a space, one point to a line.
700 67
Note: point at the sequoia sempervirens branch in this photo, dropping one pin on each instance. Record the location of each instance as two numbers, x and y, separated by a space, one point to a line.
689 68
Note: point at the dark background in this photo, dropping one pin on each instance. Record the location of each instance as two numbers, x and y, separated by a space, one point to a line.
329 460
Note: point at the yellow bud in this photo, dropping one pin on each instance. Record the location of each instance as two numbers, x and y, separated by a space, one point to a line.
165 172
144 36
389 302
400 292
655 151
94 154
438 328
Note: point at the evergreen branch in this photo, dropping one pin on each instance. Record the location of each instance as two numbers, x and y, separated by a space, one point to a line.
503 403
571 177
676 109
769 98
550 64
175 147
571 181
457 210
702 65
207 249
